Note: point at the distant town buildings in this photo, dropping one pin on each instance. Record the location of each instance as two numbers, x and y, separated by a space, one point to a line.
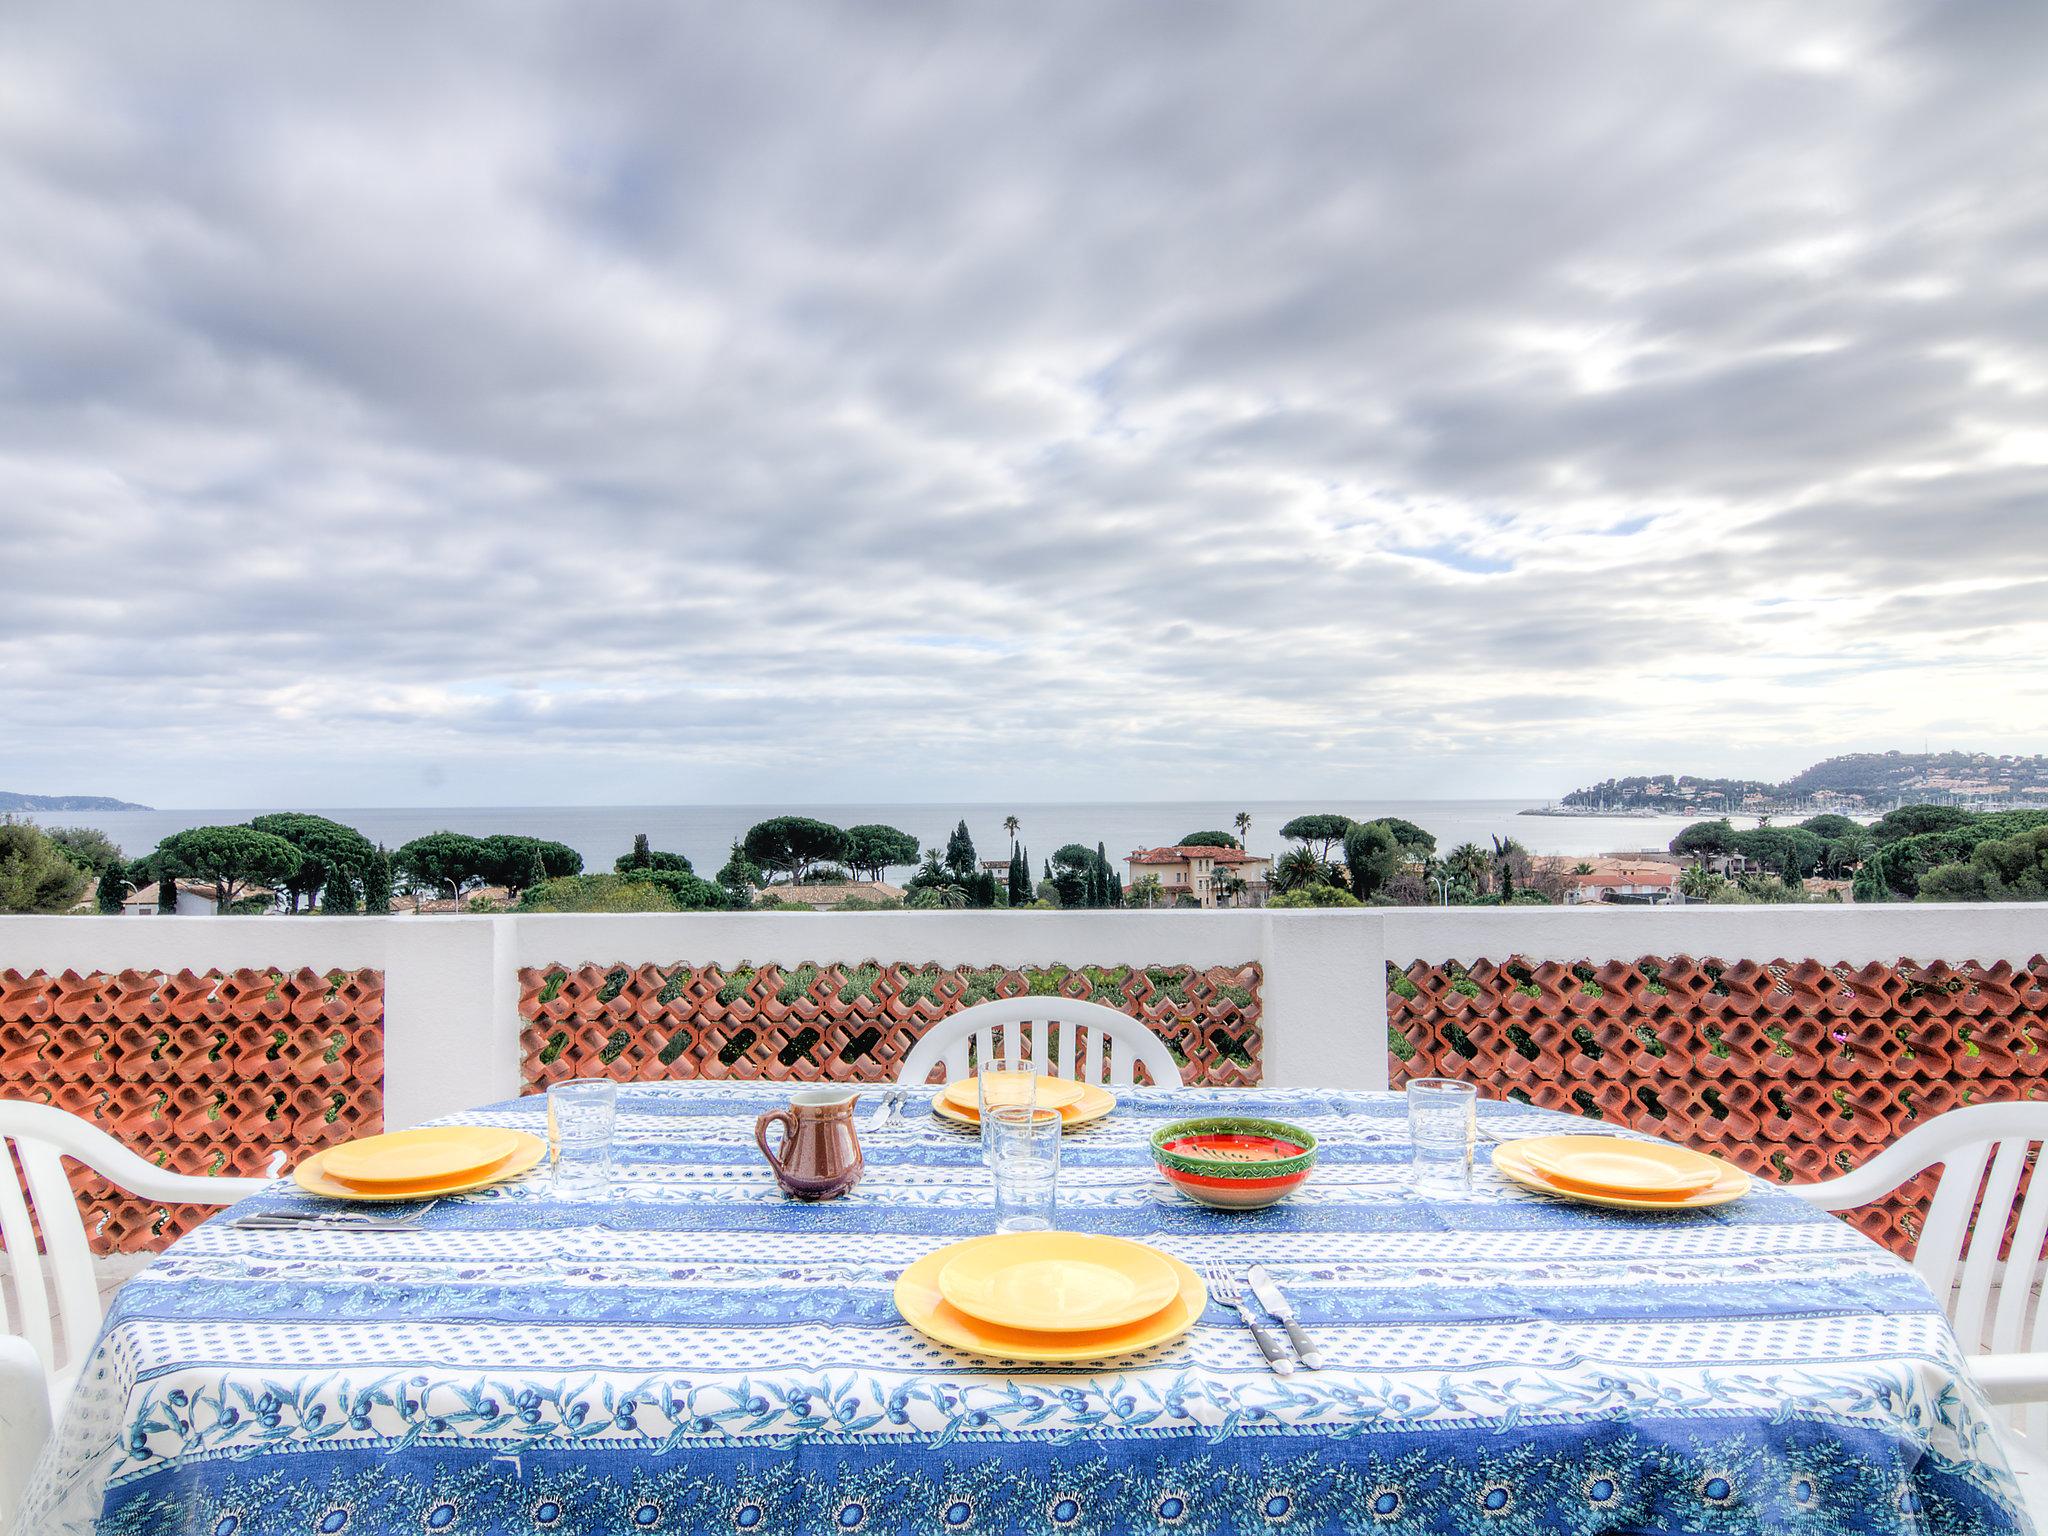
1652 884
194 900
1199 872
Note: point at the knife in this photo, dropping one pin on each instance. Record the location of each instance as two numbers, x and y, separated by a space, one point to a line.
1275 1301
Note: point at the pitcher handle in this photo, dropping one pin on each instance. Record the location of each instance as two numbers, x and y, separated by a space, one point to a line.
788 1124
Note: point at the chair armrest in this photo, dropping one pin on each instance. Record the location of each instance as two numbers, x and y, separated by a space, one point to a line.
191 1188
2014 1378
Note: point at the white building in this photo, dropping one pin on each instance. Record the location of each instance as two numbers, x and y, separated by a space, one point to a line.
1189 869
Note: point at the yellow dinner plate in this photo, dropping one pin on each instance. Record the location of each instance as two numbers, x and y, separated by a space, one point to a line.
926 1309
1731 1184
407 1157
1015 1088
312 1176
1606 1165
1091 1106
1068 1282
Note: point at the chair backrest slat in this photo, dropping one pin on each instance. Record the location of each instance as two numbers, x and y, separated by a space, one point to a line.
1980 1265
65 1248
1120 1073
24 1261
2009 1326
2022 1269
1941 1236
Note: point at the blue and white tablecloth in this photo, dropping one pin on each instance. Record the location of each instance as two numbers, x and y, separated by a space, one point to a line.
703 1355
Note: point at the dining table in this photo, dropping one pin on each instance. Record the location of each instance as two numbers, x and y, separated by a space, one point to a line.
698 1353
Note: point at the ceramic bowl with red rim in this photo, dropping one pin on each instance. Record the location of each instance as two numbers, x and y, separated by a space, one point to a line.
1233 1162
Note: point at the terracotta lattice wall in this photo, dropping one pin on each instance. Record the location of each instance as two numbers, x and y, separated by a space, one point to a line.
204 1073
853 1023
1794 1070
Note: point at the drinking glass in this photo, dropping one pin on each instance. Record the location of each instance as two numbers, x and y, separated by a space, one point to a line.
1003 1078
1442 1124
581 1114
1026 1165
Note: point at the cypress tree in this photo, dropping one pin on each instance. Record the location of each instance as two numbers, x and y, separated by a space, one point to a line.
960 852
537 870
113 887
642 857
377 884
1020 878
338 895
1112 883
167 895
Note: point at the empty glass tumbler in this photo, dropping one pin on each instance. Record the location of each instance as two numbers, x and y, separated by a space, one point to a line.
1026 1163
1443 1117
1002 1078
581 1116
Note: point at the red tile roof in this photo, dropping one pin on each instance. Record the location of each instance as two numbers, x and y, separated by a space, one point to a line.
1181 852
1639 875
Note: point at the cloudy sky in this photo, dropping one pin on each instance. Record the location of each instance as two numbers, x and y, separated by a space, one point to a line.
598 402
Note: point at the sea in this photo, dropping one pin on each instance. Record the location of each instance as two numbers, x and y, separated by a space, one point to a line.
706 832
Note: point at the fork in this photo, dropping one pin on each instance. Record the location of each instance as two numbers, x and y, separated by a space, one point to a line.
891 1102
1224 1289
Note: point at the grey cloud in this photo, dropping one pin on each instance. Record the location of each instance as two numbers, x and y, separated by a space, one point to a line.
868 401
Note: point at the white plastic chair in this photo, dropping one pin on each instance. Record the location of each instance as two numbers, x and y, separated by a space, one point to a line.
42 1137
1025 1024
1958 1258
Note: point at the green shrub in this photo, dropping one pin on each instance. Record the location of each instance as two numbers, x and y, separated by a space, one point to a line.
596 893
689 893
1315 896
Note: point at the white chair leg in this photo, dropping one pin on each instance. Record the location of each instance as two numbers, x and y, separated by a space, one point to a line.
24 1421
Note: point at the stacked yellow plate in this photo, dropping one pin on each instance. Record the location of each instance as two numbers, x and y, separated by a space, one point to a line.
1050 1296
1078 1103
412 1165
1622 1175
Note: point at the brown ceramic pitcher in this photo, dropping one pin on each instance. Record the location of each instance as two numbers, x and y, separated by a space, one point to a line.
820 1155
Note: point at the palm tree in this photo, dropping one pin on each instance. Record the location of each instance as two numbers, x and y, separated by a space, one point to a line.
1298 868
1244 828
1011 825
1469 860
1698 883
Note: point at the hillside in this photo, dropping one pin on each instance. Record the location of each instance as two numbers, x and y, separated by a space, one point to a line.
10 801
1869 780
